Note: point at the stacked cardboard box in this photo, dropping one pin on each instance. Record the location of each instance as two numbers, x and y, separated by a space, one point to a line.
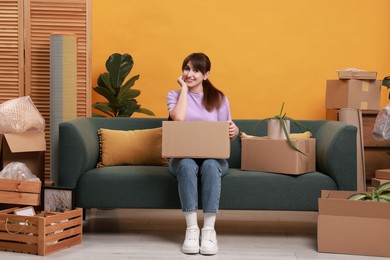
381 176
353 90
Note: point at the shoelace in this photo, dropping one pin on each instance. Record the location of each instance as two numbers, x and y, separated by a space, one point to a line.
209 235
192 234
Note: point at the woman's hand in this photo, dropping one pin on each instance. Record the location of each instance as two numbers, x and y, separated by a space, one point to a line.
181 82
233 130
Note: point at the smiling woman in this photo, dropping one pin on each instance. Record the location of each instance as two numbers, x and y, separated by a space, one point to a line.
264 52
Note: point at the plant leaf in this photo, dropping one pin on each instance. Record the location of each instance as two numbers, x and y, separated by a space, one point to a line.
359 196
385 196
145 111
386 82
131 81
105 92
383 187
105 108
126 94
104 81
283 125
119 66
281 109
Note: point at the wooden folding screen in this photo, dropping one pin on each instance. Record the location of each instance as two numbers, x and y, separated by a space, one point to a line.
25 52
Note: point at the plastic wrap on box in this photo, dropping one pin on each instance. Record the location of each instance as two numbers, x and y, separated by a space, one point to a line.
17 171
20 115
381 129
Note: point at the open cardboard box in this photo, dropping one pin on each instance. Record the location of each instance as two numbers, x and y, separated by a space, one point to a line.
275 155
352 227
28 148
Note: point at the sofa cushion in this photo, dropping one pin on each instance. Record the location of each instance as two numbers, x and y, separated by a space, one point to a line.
132 147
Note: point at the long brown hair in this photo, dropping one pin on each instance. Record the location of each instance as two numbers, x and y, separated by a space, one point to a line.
212 97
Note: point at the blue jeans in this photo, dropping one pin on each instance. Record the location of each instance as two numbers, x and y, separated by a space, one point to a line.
210 171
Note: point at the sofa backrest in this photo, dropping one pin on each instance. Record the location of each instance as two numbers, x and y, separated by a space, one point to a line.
249 126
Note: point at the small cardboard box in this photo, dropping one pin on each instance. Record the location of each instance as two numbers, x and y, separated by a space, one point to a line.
353 93
383 174
28 148
376 182
20 192
195 139
275 155
352 227
357 74
40 234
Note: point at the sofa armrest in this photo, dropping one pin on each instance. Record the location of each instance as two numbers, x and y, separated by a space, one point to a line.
337 154
78 150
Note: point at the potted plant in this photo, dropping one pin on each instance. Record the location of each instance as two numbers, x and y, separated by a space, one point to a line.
381 193
386 83
279 127
121 100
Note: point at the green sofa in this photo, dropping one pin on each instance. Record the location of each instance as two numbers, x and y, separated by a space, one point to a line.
153 186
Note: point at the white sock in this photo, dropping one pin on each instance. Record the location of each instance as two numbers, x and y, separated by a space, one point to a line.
209 220
191 218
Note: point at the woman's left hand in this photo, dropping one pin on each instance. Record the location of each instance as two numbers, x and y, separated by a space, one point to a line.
233 130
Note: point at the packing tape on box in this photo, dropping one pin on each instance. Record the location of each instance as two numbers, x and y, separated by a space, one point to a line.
307 152
365 85
364 105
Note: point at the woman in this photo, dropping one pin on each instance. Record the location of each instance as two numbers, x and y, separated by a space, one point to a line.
199 100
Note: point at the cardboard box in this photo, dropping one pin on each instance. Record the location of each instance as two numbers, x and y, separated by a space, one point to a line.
28 148
375 182
275 155
352 227
383 174
357 74
20 192
195 139
353 93
40 234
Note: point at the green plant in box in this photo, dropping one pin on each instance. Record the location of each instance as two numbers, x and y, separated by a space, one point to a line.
381 193
282 118
121 100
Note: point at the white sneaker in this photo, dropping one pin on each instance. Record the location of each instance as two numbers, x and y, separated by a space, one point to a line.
191 242
209 244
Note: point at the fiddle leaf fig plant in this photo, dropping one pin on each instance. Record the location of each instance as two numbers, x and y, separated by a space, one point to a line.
386 83
381 193
120 96
282 117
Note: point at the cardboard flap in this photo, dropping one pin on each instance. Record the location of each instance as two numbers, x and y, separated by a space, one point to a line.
26 142
335 203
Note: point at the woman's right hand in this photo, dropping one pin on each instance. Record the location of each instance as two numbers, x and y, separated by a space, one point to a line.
181 82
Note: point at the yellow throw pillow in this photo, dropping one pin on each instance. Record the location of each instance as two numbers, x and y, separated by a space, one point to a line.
133 147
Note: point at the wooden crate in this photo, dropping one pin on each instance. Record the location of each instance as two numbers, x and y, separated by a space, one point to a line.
39 234
20 192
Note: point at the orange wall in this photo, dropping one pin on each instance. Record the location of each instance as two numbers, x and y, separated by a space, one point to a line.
262 52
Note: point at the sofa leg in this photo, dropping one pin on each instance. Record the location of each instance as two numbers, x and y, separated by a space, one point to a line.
84 214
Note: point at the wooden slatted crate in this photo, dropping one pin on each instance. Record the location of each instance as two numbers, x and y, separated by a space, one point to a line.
40 234
20 192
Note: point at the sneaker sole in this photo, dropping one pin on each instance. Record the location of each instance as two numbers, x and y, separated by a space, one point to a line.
190 250
209 251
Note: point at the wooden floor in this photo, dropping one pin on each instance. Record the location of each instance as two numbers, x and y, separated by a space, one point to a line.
158 234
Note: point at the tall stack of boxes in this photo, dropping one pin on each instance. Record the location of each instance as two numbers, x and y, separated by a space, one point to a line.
359 91
342 223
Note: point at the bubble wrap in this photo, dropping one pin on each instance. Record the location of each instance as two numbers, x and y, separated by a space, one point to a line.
20 115
17 171
381 129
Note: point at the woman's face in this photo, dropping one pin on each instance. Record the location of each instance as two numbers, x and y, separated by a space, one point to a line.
193 77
